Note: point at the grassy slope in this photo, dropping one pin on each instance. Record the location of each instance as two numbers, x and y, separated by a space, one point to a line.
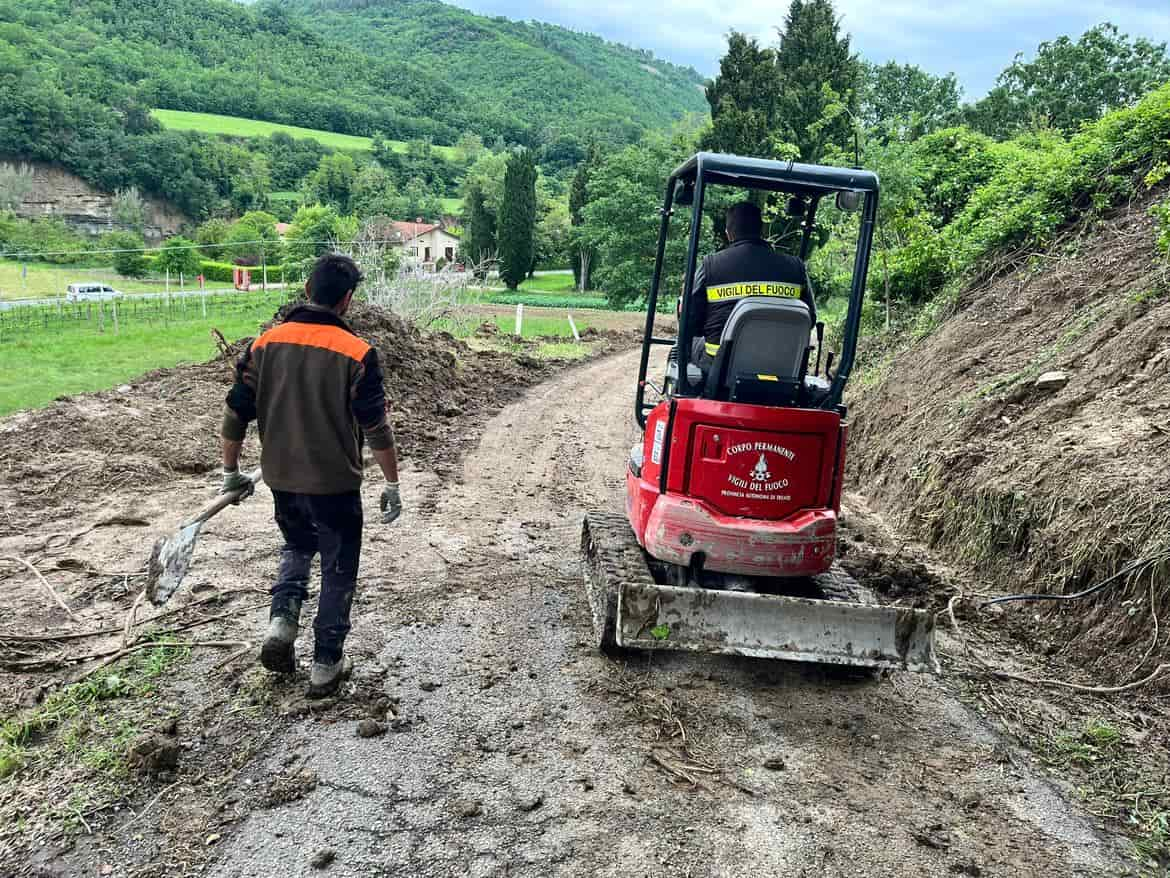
47 281
42 366
232 126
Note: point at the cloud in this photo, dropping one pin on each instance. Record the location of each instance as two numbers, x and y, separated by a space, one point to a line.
975 40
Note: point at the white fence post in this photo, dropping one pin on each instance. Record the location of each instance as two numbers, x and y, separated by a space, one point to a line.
573 326
519 320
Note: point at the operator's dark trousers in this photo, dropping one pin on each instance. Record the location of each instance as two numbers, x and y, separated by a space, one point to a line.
329 524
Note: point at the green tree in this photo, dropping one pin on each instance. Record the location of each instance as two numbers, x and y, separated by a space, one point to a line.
487 176
552 233
210 235
129 259
250 184
129 209
178 256
374 193
743 98
252 239
622 216
418 201
479 238
517 219
582 257
315 230
1069 83
468 148
903 101
817 72
332 184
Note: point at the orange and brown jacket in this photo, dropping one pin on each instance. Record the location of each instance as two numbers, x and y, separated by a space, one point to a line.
314 388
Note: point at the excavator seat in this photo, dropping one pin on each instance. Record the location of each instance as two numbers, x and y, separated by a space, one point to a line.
761 353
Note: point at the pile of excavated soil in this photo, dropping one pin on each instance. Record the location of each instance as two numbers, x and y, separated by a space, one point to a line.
1043 483
65 457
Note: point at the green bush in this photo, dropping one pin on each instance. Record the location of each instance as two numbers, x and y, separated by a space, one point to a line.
1161 213
1038 184
129 259
42 240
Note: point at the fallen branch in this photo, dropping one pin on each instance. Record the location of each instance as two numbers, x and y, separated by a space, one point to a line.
45 584
130 617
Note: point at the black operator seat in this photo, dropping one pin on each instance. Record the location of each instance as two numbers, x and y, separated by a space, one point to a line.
764 341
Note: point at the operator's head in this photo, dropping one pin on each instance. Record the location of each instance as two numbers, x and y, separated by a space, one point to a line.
332 281
744 221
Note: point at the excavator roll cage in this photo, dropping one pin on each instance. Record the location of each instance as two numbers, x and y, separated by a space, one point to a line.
810 184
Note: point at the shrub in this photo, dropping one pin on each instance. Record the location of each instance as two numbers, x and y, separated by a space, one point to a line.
129 260
45 240
179 257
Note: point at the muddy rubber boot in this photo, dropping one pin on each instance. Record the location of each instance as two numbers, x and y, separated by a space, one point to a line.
326 677
277 654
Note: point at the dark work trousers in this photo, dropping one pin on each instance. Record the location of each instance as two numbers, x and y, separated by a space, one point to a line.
330 524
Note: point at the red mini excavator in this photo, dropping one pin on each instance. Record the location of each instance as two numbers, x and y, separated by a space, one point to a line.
733 495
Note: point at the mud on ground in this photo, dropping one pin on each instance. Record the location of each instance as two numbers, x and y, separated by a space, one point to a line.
86 485
1049 487
480 732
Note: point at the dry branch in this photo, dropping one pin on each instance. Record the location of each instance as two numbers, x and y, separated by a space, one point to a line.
52 592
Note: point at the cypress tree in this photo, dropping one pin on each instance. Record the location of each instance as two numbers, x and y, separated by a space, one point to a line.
517 219
743 99
479 244
815 68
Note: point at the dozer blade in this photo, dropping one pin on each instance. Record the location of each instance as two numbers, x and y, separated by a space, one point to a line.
773 626
630 609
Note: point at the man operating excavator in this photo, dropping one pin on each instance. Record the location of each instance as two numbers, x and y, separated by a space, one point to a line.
748 266
314 389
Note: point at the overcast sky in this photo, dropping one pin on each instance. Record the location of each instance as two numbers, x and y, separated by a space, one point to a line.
975 40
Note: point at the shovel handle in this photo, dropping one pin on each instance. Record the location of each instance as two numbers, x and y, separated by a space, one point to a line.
223 501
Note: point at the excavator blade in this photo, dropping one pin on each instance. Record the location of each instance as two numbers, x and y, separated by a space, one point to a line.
775 626
844 626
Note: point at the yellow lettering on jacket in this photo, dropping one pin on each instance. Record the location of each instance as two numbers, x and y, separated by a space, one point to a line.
777 289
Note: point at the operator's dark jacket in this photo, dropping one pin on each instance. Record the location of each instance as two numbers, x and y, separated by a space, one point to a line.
748 267
314 388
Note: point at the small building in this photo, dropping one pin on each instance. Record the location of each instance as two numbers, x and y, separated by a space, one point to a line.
423 244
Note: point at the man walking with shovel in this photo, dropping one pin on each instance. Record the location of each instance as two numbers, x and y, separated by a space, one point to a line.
314 389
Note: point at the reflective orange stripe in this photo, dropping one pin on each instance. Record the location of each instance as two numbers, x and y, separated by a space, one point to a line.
315 335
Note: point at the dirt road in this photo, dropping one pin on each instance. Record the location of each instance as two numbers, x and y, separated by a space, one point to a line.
516 749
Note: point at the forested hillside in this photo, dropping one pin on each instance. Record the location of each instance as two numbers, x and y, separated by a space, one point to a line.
77 78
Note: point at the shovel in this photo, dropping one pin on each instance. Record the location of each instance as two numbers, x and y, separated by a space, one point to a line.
171 557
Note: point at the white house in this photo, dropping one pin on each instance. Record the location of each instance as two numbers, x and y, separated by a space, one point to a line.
423 244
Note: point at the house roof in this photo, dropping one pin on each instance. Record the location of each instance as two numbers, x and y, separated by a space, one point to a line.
399 231
282 228
406 231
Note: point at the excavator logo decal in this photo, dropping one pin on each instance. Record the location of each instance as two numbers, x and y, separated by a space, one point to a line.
761 473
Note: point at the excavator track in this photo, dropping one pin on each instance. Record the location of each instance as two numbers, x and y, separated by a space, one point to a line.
843 624
610 556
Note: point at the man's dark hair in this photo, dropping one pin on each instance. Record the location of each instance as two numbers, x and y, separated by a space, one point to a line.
333 275
744 221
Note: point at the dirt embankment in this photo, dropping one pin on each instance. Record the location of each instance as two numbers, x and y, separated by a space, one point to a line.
74 453
1043 482
86 485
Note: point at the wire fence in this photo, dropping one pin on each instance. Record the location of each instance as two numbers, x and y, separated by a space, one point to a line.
119 314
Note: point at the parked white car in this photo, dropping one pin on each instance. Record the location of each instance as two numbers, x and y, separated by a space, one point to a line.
91 293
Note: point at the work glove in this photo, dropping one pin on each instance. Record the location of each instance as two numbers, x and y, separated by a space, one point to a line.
234 480
391 503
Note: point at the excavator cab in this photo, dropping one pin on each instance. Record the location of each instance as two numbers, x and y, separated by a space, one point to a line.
733 494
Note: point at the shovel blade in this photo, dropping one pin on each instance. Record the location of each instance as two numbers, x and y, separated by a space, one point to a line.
654 616
169 562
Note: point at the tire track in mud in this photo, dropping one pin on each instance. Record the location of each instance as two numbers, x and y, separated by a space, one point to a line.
518 750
